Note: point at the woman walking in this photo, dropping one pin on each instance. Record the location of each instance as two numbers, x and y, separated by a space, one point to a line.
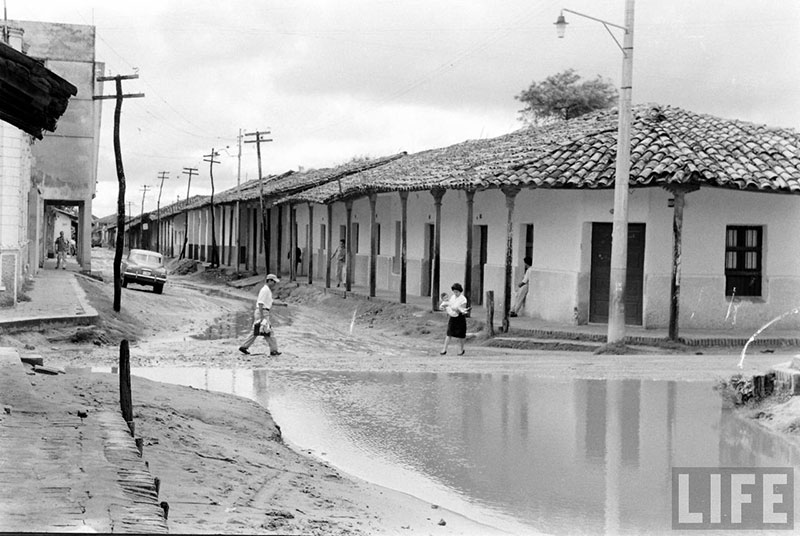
456 307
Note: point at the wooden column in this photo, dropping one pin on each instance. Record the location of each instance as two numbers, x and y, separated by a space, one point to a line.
373 242
468 259
438 194
679 192
328 250
403 244
279 242
349 266
310 246
511 194
268 240
292 242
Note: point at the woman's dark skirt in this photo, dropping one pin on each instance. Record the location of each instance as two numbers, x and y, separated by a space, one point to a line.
457 327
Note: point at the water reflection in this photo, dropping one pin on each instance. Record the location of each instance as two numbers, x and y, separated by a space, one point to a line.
562 457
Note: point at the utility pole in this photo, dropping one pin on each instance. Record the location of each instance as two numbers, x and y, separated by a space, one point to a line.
214 252
161 175
144 189
144 244
120 176
258 142
191 172
238 183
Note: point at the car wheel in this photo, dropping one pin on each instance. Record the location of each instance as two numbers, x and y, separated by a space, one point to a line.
124 283
158 289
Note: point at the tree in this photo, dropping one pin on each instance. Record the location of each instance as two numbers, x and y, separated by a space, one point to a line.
564 96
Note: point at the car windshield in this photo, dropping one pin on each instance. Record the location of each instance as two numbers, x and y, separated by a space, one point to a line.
146 259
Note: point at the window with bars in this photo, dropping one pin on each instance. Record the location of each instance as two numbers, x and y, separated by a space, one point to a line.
743 260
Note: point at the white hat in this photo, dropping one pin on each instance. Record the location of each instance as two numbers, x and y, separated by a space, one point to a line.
273 277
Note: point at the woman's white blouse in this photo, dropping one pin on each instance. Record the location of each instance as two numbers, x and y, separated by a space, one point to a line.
455 305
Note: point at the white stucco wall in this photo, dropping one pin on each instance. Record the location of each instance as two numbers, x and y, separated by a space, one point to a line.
562 221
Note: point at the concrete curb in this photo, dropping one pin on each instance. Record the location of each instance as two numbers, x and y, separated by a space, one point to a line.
787 376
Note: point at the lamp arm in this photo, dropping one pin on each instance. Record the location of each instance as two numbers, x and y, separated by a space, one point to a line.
604 22
614 38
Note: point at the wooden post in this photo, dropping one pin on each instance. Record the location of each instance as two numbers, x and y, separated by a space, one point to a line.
468 259
191 172
214 250
511 194
490 313
373 242
120 243
328 250
679 192
349 266
403 245
310 246
279 242
258 141
125 399
438 194
292 242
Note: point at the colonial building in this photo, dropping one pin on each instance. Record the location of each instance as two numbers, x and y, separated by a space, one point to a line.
712 239
64 167
32 99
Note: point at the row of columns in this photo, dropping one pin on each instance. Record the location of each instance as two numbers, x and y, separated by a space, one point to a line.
679 192
438 195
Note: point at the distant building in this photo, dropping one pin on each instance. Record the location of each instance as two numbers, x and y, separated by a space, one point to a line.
64 167
32 99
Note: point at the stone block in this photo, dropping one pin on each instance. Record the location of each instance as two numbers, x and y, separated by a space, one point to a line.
32 359
48 370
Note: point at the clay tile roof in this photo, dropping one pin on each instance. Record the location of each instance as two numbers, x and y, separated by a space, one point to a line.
32 98
668 145
291 182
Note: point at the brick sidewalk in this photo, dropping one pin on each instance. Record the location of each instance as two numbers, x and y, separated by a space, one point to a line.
63 472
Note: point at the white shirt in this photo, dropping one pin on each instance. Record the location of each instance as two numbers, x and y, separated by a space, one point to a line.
455 305
526 279
265 299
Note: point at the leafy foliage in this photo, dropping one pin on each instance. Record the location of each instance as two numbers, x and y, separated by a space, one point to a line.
565 96
736 391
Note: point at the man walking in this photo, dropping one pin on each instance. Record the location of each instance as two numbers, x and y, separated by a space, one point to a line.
62 247
261 323
522 290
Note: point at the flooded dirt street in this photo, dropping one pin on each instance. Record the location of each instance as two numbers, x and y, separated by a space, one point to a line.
222 464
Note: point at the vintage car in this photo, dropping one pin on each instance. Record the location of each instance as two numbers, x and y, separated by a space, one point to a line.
144 267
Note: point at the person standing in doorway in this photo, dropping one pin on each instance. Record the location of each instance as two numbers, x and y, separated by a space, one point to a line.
456 307
62 248
341 260
261 323
522 289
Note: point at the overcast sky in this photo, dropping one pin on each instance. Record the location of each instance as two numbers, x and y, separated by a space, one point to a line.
333 80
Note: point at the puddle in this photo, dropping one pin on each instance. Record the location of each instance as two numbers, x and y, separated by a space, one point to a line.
512 450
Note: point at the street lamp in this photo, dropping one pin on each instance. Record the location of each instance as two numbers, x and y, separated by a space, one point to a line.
619 236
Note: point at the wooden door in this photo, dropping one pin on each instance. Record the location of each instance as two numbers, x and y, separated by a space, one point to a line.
601 273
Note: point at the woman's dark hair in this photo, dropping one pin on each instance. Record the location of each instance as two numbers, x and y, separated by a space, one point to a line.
458 287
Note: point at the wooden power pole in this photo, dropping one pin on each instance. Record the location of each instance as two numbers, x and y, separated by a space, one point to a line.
214 252
120 176
163 175
258 141
191 172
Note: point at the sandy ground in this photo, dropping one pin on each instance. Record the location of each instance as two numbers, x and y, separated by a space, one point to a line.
220 458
